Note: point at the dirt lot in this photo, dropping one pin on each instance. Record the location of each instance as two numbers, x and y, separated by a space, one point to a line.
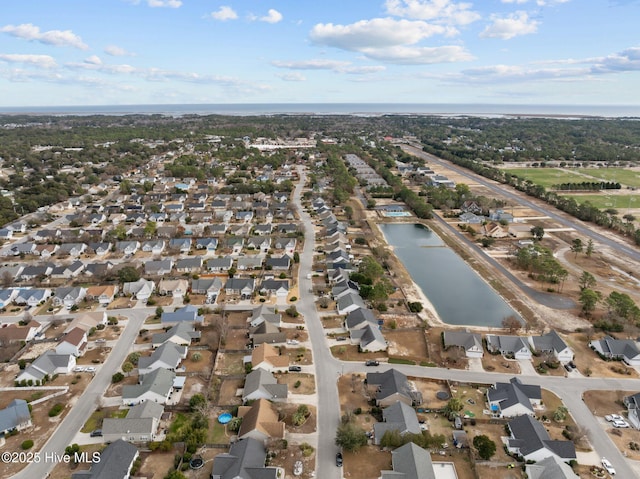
94 356
286 458
366 463
120 303
409 344
498 364
349 352
287 411
602 403
229 363
116 389
237 319
330 322
203 365
228 390
299 355
236 339
307 382
497 472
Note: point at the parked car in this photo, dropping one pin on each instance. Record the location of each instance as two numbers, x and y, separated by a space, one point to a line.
341 338
607 466
295 369
568 368
293 341
90 369
617 417
339 459
96 433
372 362
79 369
620 423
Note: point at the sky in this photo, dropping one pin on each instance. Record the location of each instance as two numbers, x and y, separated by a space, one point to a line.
123 52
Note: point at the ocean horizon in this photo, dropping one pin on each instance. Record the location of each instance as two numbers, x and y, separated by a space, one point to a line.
357 109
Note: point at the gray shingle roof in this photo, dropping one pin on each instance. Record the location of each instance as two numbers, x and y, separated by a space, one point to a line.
16 413
245 460
390 382
115 462
514 392
529 435
410 462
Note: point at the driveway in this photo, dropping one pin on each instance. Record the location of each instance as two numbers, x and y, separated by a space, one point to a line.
526 367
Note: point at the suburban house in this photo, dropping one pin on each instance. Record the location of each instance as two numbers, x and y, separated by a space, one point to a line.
245 460
68 296
167 356
513 398
116 461
103 294
283 263
288 245
140 424
360 318
620 349
48 364
181 334
633 406
369 338
141 289
260 421
189 265
12 333
249 262
531 440
74 342
412 462
173 287
208 244
277 287
72 249
243 287
343 288
263 229
158 267
260 243
220 264
397 417
208 286
268 357
153 246
234 244
15 417
187 313
68 271
264 313
551 467
391 386
512 346
127 247
87 321
183 245
32 297
155 386
471 343
266 332
552 343
349 302
262 384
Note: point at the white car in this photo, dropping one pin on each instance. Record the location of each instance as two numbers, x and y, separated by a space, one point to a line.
90 369
617 417
608 418
79 369
620 423
607 466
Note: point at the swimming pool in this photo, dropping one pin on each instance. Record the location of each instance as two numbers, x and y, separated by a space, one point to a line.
224 418
395 214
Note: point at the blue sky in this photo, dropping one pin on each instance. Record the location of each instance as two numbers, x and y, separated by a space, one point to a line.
111 52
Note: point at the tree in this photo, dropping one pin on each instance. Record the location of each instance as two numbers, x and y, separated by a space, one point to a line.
560 414
117 377
150 229
133 358
586 280
173 474
159 311
127 367
231 272
128 274
577 246
370 268
296 257
485 446
512 323
350 437
590 248
453 407
197 401
537 232
589 299
621 305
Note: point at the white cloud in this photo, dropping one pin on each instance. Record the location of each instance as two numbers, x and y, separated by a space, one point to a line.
40 61
295 76
59 38
116 51
330 65
375 33
224 13
419 55
272 16
625 61
164 3
540 3
440 11
93 60
511 26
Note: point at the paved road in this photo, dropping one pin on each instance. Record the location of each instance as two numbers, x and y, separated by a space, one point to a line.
521 198
326 366
87 403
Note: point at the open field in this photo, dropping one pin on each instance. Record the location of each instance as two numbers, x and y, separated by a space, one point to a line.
623 176
604 200
546 177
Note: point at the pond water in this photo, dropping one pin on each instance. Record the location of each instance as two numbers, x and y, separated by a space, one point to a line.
458 294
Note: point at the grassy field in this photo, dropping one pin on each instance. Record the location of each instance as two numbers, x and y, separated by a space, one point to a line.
546 177
624 176
603 201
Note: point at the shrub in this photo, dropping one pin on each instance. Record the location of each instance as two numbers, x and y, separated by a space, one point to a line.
117 377
293 298
28 444
196 357
297 384
56 409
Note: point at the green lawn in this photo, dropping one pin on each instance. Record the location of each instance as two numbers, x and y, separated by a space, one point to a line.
603 201
217 433
546 177
621 175
95 420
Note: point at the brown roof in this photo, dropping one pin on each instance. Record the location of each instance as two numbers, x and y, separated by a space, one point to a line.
96 291
75 337
13 333
270 354
260 416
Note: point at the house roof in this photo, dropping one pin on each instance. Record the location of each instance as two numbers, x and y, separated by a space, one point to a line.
259 378
146 409
266 352
410 462
206 284
350 299
169 354
115 462
397 417
529 435
47 363
463 339
514 392
367 335
359 317
240 283
549 342
184 331
261 416
126 425
508 344
75 337
245 460
186 313
16 413
550 467
390 382
619 347
159 381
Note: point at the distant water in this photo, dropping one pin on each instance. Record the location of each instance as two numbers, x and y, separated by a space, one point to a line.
361 109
